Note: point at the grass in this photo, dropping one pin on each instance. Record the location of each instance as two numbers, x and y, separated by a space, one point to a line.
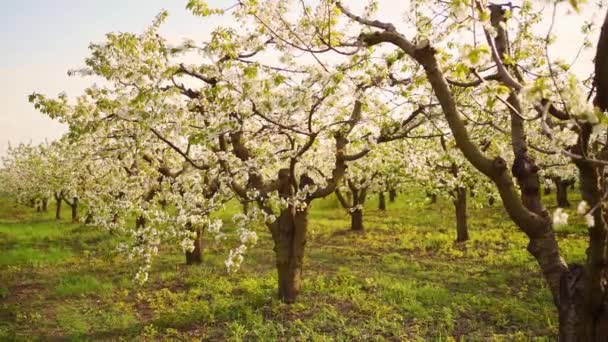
404 279
72 284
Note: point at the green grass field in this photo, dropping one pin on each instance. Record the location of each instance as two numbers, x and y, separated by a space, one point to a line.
404 279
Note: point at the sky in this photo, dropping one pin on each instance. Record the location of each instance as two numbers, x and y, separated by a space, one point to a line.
43 39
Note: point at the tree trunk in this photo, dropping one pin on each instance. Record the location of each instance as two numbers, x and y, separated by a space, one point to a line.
58 208
381 201
45 204
74 206
356 220
89 218
584 291
196 256
140 222
349 197
583 310
580 318
562 192
356 199
392 195
290 239
547 190
460 203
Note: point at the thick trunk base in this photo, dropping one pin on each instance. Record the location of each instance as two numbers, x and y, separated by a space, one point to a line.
356 220
290 282
580 317
290 240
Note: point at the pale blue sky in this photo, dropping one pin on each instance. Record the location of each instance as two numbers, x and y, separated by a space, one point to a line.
42 39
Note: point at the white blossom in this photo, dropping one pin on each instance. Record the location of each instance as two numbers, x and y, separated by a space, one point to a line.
560 218
582 207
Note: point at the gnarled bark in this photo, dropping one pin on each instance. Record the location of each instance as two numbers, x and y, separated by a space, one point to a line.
289 237
290 241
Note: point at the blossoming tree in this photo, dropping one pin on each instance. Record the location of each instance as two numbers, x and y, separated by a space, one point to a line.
518 78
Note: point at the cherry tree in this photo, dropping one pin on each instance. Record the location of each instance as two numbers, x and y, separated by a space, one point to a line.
517 66
130 126
361 177
24 175
35 173
277 137
503 76
437 165
384 169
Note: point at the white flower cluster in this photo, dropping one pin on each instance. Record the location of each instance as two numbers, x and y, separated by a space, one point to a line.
235 259
560 218
565 137
355 208
247 237
583 209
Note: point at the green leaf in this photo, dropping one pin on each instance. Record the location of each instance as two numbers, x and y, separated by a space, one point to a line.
250 71
202 9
